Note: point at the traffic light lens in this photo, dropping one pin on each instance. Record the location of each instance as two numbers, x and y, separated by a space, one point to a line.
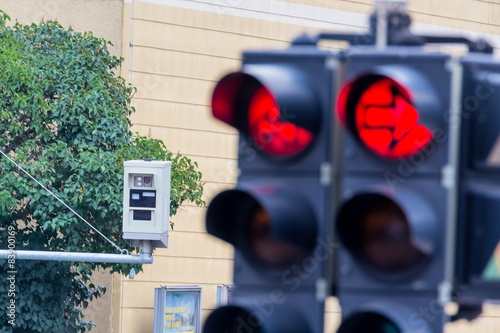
375 228
380 112
265 247
271 130
251 319
385 238
242 101
368 322
232 319
272 226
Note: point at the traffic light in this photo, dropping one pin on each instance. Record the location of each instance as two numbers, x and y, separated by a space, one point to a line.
478 251
278 218
393 219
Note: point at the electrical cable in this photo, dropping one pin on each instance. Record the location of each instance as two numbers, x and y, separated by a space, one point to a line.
122 251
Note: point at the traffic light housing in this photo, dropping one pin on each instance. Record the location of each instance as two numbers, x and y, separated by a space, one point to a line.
478 237
278 218
394 187
393 216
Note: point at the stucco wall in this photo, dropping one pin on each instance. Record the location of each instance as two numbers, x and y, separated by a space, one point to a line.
102 17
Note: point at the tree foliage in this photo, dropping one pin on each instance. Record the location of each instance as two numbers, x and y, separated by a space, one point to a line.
64 117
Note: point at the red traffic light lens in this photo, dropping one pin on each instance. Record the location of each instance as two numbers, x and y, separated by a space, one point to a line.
381 113
270 128
342 102
266 248
275 109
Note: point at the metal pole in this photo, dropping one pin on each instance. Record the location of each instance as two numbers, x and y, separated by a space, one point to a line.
381 38
145 246
382 9
450 180
143 258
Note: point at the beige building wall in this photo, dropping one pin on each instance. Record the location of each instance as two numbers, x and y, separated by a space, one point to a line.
173 67
102 17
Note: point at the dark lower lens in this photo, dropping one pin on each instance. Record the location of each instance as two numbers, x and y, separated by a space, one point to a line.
385 237
376 229
232 319
272 227
265 246
368 323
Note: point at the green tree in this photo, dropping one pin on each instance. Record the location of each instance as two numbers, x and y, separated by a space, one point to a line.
64 117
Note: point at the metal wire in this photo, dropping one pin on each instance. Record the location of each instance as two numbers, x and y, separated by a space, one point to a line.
122 251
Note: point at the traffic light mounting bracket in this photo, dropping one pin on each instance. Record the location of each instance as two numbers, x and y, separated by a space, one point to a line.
392 27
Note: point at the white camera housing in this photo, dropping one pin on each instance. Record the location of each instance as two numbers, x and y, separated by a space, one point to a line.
146 202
